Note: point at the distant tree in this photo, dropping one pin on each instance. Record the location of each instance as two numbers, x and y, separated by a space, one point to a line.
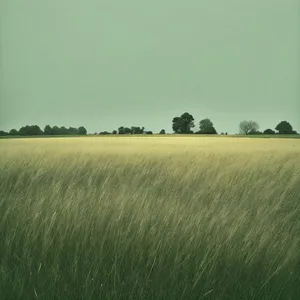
36 130
3 133
247 126
206 127
24 130
121 130
114 132
162 131
13 132
127 130
137 130
48 130
104 133
284 127
30 130
82 130
183 124
55 130
149 132
226 133
252 132
269 131
73 130
205 124
63 130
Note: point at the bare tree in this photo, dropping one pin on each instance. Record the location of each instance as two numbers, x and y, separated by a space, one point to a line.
247 126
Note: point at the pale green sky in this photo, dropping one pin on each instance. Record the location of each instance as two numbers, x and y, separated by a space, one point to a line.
103 64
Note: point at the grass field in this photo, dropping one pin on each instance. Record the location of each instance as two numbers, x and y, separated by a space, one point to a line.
150 218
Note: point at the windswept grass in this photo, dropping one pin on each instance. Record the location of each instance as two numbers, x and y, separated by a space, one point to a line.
160 218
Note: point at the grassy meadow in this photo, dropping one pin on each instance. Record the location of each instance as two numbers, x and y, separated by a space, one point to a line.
140 218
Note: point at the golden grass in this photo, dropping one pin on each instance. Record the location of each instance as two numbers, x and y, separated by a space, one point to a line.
150 218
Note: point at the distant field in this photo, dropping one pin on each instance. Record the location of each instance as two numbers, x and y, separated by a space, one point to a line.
150 218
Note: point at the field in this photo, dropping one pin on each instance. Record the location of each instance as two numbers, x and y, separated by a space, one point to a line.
140 218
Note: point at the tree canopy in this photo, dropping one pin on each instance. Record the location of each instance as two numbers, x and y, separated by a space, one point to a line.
183 124
248 126
285 127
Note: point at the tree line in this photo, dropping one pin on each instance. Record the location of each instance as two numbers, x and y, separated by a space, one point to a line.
180 125
30 130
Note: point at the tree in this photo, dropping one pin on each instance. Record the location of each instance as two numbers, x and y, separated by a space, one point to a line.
205 124
137 130
82 130
73 130
55 130
284 127
206 127
13 132
48 130
114 132
149 132
269 131
162 131
3 133
63 130
24 130
121 130
251 132
30 130
247 126
127 130
183 124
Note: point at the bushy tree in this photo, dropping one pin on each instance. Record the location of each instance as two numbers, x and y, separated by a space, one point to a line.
247 126
269 131
137 130
63 130
3 133
252 132
114 132
30 130
183 124
206 127
13 132
285 127
73 130
124 130
48 130
162 131
55 130
82 130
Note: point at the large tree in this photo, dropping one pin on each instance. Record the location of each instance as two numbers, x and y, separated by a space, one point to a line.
13 132
30 130
48 130
285 127
206 127
248 126
183 124
137 130
82 130
73 130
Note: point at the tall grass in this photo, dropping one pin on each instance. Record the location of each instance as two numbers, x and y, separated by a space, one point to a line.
149 218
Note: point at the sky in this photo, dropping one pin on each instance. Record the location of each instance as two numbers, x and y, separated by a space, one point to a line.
109 63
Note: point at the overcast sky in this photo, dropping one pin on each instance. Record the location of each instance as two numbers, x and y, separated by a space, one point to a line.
107 63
